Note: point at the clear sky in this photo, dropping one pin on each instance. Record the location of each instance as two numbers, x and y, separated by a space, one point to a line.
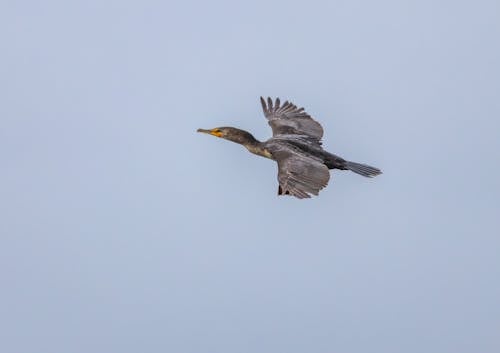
123 230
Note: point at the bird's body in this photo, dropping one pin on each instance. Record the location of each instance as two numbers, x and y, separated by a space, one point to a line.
303 164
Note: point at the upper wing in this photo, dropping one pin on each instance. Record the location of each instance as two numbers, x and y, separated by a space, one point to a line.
299 175
287 119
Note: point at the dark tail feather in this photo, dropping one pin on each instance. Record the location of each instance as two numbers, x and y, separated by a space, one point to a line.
362 169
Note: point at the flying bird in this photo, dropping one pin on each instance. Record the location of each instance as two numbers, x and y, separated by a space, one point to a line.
303 164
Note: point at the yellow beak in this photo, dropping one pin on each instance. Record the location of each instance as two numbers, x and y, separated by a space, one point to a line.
213 132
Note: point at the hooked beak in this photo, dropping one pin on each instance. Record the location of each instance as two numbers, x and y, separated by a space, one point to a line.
213 132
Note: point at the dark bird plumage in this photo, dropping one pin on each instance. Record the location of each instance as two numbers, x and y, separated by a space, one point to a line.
303 164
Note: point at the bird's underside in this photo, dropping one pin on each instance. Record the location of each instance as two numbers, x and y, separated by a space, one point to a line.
303 165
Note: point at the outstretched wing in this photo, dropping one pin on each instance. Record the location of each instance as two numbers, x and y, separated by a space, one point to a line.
299 175
287 119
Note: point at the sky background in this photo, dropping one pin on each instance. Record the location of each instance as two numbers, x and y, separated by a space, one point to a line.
123 230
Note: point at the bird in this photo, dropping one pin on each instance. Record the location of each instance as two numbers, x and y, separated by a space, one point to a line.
303 165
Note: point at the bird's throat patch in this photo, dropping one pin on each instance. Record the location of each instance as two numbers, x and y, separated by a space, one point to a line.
216 133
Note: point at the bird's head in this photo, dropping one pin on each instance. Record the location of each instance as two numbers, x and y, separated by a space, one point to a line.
231 134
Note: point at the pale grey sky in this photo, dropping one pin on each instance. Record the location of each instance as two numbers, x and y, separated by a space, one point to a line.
123 230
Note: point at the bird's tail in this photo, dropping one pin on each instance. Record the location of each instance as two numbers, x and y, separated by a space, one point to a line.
362 169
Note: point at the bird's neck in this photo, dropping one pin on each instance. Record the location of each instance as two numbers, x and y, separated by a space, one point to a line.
257 148
246 139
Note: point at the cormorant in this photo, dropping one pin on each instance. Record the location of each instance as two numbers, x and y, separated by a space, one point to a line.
303 165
